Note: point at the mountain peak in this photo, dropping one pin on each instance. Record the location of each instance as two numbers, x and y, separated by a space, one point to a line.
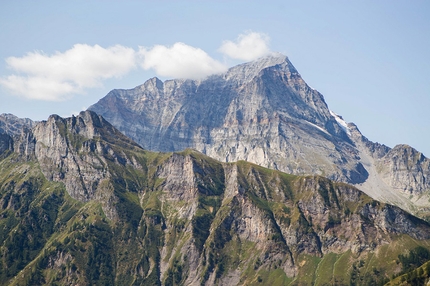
87 123
271 59
237 116
247 71
76 151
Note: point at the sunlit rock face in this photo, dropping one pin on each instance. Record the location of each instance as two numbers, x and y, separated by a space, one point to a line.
262 112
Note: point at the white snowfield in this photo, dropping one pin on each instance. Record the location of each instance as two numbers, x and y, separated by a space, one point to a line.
341 123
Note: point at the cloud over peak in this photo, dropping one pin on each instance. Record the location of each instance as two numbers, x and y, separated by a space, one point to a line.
61 75
248 46
180 61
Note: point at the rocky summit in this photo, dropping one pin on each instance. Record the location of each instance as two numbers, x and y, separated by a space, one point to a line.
264 112
81 204
261 112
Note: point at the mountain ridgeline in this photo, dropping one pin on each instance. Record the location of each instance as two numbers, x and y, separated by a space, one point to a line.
263 112
81 204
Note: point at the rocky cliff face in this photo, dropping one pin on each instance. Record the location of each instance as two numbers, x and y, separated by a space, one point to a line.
13 125
398 176
6 143
406 170
92 207
262 112
82 152
75 151
20 129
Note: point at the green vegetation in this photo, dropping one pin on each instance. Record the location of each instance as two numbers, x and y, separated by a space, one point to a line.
416 257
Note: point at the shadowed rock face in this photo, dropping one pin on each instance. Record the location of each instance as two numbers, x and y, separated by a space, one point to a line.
6 143
12 125
262 112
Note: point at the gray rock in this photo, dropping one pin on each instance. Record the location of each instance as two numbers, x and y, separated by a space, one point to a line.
13 125
405 169
262 112
76 151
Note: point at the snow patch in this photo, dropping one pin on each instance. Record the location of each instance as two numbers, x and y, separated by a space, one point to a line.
316 126
342 123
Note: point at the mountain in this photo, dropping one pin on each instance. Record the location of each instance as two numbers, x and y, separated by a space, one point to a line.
13 125
264 112
256 112
81 204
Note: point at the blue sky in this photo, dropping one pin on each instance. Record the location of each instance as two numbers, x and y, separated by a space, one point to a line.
370 59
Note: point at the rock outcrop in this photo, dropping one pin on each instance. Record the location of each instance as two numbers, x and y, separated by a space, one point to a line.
405 169
71 151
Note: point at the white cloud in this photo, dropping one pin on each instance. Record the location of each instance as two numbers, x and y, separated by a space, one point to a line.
248 47
61 75
180 61
40 88
57 76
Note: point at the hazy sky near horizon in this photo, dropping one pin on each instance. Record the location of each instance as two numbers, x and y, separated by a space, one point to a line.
370 59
